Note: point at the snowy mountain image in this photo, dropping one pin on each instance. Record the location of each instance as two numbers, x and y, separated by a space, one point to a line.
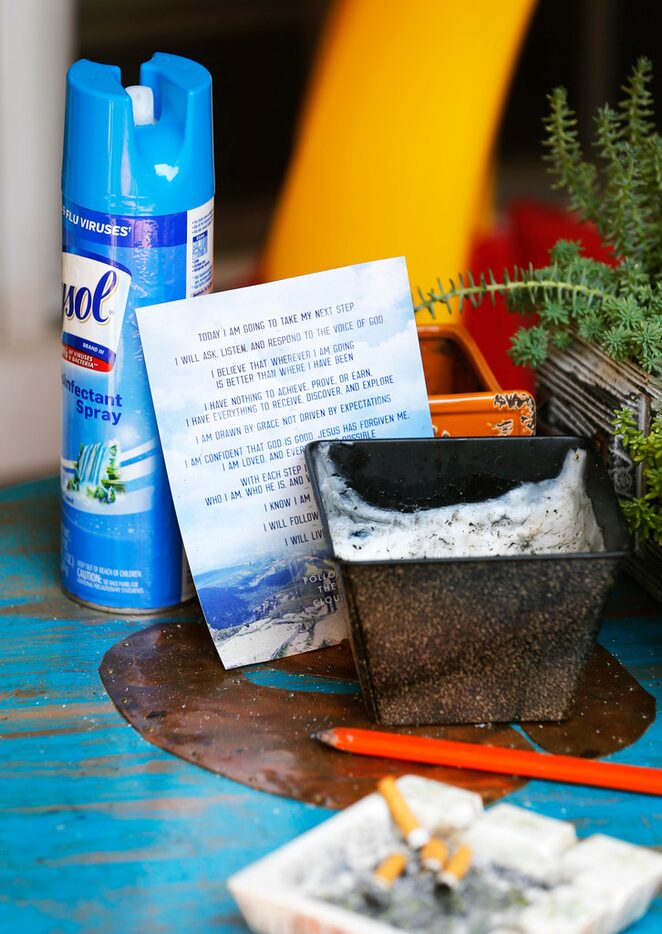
272 607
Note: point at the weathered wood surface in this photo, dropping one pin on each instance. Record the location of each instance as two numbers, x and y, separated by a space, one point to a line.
102 831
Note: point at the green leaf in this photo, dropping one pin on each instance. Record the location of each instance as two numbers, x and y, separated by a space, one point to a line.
529 346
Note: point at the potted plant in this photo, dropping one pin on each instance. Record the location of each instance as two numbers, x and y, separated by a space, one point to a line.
464 395
597 343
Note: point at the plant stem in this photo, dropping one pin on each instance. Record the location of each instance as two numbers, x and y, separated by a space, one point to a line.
443 297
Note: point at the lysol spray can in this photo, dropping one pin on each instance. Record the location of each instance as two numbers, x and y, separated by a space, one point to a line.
137 188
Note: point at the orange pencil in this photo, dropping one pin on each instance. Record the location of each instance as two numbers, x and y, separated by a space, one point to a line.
494 759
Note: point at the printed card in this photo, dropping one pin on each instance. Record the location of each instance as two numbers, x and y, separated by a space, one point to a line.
241 382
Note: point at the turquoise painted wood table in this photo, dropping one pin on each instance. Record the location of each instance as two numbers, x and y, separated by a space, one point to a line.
102 831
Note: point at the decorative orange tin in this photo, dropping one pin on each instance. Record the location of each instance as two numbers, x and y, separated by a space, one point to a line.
465 397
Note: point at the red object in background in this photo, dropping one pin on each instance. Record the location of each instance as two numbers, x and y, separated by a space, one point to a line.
531 230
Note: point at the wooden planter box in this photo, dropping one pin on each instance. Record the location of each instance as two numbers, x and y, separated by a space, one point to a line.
578 390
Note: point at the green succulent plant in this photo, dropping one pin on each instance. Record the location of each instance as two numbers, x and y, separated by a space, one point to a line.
618 305
643 514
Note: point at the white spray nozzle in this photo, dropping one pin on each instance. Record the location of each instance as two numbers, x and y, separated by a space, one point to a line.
142 100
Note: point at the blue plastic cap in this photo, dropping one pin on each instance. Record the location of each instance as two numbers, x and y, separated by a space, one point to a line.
113 166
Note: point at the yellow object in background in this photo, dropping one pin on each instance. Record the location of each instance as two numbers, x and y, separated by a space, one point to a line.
396 135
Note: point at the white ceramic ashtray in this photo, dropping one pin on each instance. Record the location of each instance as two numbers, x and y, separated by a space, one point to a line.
528 874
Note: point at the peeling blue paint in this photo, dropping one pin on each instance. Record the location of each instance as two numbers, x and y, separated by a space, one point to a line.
289 681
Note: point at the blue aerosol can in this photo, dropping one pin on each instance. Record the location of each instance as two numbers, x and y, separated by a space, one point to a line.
137 229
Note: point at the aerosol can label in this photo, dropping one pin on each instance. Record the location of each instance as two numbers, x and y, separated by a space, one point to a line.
94 295
120 540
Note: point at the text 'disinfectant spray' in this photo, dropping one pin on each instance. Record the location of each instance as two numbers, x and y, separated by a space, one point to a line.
137 226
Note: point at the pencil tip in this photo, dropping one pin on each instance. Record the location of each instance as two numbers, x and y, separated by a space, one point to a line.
327 737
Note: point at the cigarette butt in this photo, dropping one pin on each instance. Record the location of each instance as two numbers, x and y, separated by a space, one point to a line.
456 868
434 854
389 870
379 885
415 835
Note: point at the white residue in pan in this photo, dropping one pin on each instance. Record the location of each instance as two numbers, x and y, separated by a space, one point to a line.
548 517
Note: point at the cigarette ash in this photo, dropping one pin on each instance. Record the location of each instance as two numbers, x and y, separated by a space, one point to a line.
489 898
342 874
546 517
